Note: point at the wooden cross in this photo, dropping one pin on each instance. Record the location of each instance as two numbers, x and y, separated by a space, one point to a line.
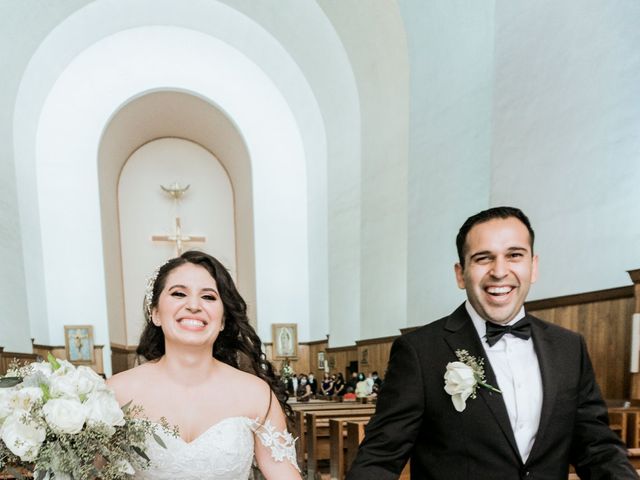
178 238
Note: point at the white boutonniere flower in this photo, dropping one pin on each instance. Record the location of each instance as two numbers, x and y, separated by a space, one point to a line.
462 379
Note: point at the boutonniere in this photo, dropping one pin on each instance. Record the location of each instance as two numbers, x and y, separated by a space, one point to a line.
462 379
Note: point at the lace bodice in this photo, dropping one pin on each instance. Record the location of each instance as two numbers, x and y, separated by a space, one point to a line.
223 452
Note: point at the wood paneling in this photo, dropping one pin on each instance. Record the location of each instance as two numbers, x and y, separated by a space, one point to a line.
373 355
339 359
606 327
123 357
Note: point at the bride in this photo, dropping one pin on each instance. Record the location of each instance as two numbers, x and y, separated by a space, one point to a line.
197 339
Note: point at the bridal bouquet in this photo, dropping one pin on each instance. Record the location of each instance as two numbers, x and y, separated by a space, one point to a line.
62 422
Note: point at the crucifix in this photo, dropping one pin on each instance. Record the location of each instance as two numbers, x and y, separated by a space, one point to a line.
176 192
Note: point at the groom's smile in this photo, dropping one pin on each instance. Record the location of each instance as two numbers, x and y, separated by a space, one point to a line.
499 268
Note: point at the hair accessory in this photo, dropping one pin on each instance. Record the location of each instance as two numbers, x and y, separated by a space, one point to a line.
148 289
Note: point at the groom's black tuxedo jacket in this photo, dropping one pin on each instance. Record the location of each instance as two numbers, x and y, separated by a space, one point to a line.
415 417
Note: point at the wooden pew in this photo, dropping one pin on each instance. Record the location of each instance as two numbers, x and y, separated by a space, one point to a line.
338 441
355 435
300 428
317 433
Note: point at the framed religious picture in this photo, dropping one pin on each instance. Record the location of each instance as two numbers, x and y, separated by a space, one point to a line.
78 341
364 358
285 340
320 360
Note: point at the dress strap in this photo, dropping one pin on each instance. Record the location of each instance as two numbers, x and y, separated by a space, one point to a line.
281 444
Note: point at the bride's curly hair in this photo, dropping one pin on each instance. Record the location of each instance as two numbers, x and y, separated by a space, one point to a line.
237 344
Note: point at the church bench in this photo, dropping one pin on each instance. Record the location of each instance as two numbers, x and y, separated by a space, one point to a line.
355 435
300 429
317 434
338 441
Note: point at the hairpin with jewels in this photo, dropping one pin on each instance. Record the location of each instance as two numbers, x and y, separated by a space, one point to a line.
148 289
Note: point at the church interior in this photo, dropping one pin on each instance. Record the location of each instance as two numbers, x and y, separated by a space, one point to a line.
326 152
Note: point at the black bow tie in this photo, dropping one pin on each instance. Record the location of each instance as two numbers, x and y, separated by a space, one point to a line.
521 329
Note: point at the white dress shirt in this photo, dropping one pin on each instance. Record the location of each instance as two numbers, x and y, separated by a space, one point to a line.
515 363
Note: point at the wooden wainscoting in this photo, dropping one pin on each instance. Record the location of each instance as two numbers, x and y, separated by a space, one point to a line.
604 319
340 358
123 357
373 354
7 357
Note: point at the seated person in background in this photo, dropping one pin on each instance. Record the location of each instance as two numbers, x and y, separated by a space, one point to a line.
362 389
353 381
349 395
327 385
313 383
339 386
303 394
377 383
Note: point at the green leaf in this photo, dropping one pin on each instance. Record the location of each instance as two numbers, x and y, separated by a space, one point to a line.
126 406
53 361
140 452
45 392
159 440
41 474
8 382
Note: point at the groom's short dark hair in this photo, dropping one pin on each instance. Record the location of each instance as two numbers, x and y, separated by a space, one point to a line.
485 216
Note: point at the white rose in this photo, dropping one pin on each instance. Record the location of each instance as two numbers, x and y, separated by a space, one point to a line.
25 398
75 384
42 367
65 368
6 404
460 383
23 439
102 407
64 415
88 380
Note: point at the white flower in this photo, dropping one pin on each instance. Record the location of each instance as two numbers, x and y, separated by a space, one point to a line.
22 437
6 404
126 467
42 367
64 368
459 382
102 407
25 398
64 415
75 384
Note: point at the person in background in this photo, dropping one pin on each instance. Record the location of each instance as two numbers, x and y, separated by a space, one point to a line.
303 394
362 389
339 386
313 383
326 387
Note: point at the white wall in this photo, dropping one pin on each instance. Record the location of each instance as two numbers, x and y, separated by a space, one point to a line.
21 34
566 142
206 209
451 53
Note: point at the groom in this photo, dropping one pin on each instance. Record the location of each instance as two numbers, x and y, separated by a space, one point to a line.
548 412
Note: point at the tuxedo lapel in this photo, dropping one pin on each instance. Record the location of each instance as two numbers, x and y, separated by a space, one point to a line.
547 354
463 336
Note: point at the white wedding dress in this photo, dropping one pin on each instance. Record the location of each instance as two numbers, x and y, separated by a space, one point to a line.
222 452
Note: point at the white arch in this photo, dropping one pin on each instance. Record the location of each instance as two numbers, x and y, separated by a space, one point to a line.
332 82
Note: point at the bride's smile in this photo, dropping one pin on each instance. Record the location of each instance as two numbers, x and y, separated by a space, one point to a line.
190 304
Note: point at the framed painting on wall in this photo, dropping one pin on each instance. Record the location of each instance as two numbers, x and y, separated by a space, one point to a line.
285 340
78 342
320 360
